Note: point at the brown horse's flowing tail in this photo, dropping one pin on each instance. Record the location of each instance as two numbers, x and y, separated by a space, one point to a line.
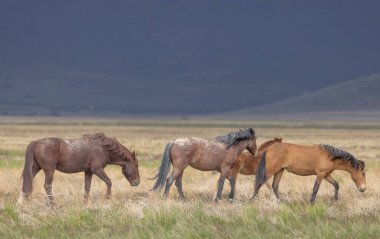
27 173
261 172
163 170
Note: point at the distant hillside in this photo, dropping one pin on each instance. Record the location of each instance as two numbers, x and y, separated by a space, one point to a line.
356 95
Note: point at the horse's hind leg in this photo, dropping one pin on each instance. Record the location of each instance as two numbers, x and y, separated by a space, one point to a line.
258 186
276 183
178 184
169 181
331 180
48 185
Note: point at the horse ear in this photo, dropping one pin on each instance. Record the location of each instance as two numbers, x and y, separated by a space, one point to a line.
134 153
252 131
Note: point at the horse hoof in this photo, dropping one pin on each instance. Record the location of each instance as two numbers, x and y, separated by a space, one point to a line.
183 199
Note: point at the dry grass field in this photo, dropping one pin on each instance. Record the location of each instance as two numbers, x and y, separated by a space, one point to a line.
140 213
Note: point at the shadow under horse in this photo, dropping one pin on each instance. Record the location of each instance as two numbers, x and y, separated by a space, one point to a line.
218 154
89 154
320 160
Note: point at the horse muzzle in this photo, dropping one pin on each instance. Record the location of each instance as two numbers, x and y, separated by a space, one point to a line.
135 183
361 188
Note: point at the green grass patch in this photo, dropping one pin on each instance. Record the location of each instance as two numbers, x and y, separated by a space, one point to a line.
194 221
11 163
11 153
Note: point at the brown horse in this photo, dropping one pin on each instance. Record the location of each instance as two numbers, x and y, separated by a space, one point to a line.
246 164
89 154
204 154
320 160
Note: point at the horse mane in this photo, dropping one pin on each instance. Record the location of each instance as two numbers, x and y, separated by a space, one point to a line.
235 137
337 153
269 142
115 149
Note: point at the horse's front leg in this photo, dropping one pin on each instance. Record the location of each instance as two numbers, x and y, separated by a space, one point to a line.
223 174
232 177
103 176
316 187
87 184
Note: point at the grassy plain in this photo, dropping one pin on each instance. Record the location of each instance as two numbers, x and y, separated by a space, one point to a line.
140 213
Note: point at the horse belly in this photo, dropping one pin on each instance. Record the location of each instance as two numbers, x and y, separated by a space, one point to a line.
302 171
73 164
204 166
71 167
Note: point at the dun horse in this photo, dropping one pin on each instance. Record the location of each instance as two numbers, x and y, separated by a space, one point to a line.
204 154
320 160
246 164
89 154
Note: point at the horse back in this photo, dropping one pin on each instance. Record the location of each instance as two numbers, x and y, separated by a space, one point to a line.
300 159
68 155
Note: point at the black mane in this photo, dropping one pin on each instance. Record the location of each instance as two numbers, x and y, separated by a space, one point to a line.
235 137
337 153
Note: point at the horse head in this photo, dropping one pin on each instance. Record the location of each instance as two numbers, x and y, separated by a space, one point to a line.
130 169
358 175
251 146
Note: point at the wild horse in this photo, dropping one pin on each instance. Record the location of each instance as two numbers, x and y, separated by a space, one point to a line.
320 160
89 154
218 154
246 164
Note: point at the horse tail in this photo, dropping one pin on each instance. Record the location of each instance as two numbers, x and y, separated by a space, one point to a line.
163 170
261 172
27 173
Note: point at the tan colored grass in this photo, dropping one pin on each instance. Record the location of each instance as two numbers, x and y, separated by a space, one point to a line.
199 186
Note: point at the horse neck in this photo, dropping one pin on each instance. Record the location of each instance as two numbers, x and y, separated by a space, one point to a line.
240 146
343 165
265 145
116 162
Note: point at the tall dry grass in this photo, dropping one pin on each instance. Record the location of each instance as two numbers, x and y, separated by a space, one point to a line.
139 212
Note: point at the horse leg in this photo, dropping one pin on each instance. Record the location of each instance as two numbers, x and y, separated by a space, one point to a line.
258 186
232 178
331 180
169 181
276 183
316 187
269 187
103 176
223 174
87 184
178 184
48 185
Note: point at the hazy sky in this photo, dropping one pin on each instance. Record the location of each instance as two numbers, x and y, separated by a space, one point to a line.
203 55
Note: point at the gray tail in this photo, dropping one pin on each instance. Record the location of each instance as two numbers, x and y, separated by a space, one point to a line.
164 168
27 173
261 172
